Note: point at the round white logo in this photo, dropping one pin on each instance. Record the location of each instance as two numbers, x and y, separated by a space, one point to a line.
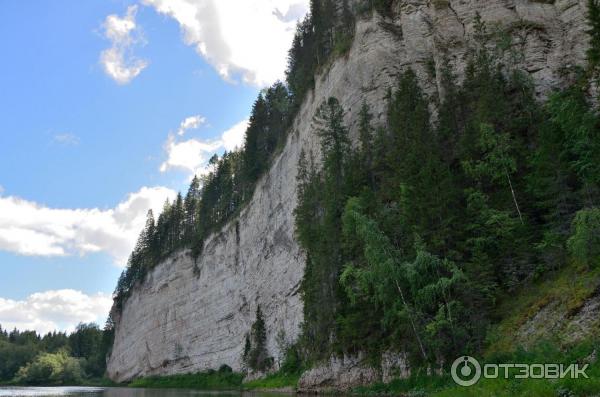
466 371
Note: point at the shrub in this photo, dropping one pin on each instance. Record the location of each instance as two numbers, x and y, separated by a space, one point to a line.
584 243
51 368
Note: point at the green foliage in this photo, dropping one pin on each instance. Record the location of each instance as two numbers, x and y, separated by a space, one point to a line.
292 362
416 236
593 53
422 291
584 244
214 199
55 358
256 356
91 345
290 370
50 369
13 357
322 196
326 32
223 379
578 124
420 384
277 380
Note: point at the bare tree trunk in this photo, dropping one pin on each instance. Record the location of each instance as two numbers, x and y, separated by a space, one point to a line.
412 323
513 195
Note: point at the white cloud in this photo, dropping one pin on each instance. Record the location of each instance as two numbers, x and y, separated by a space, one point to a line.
249 37
190 123
123 33
189 155
66 139
233 138
28 228
54 310
192 155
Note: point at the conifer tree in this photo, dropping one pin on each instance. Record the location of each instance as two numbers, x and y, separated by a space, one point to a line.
593 52
190 205
258 355
366 136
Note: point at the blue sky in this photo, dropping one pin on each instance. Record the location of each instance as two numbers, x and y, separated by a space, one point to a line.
93 107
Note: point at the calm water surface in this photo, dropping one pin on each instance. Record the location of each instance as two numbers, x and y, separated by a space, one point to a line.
119 392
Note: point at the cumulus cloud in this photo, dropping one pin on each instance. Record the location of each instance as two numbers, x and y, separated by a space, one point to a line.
118 61
192 155
190 123
248 38
29 228
66 139
189 155
233 138
54 310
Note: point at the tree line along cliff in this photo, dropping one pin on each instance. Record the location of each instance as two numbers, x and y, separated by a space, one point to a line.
416 234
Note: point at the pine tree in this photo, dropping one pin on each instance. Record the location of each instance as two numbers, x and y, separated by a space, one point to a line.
497 162
190 205
149 244
593 52
334 140
258 355
366 136
177 217
246 352
254 150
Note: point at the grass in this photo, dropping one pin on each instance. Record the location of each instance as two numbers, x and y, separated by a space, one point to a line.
416 385
566 289
274 381
526 388
98 382
546 352
209 380
217 380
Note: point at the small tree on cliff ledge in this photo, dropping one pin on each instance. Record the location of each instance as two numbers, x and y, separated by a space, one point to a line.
256 355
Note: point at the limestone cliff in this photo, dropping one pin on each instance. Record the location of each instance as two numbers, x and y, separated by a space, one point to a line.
190 315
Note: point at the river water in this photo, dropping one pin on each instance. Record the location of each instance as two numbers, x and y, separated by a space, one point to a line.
121 392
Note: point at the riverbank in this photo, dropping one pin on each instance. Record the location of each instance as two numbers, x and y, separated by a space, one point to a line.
91 382
223 379
420 384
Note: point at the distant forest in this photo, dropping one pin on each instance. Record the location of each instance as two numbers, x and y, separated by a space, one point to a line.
55 358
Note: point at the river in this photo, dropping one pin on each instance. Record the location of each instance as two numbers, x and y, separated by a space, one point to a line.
122 392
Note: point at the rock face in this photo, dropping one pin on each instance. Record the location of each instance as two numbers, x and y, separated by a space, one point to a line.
339 374
559 321
190 316
348 372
